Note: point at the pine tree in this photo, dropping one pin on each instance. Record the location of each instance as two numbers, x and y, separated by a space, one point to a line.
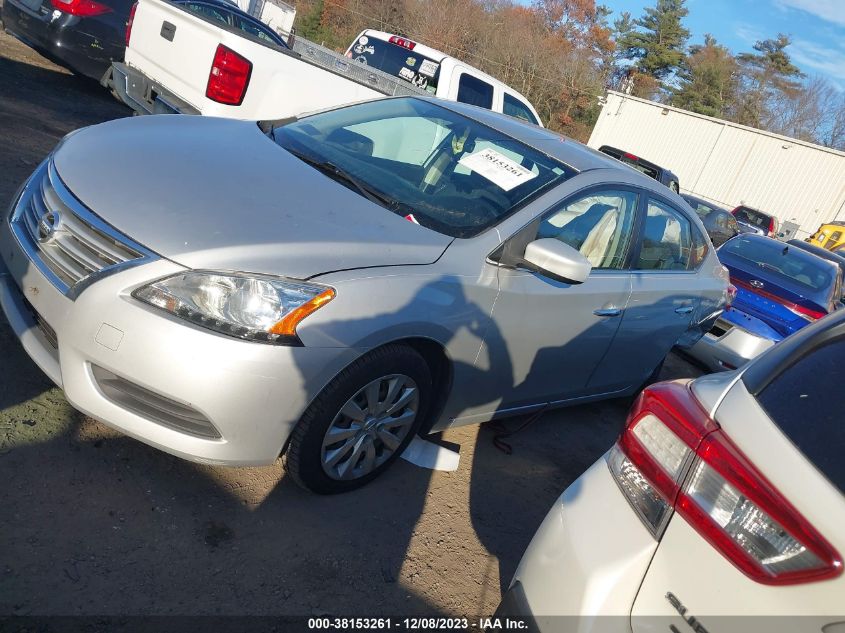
766 75
707 80
659 41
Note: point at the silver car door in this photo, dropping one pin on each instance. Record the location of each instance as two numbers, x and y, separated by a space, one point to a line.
664 296
555 333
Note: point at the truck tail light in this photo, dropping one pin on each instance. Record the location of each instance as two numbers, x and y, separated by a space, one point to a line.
771 227
229 77
672 457
81 8
401 41
130 21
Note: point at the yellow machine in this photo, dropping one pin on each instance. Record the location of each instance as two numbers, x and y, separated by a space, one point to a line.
829 236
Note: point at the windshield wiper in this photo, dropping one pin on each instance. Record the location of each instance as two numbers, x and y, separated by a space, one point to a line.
333 171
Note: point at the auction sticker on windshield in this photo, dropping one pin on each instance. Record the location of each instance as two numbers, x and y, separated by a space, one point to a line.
497 168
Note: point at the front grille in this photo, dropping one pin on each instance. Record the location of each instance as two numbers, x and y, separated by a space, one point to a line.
67 242
152 406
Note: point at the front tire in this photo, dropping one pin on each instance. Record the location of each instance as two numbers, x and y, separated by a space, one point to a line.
361 422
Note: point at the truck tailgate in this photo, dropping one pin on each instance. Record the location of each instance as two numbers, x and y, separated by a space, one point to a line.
175 49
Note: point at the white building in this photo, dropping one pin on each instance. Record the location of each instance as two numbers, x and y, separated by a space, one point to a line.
727 163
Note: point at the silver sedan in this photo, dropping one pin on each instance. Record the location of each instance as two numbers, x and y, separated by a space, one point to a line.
326 288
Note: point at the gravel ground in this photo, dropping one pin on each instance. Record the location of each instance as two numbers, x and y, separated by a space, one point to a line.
94 523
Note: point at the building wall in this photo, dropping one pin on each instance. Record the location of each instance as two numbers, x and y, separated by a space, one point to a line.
727 163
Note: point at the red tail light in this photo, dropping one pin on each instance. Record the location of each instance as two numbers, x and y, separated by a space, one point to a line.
631 156
672 457
229 77
401 41
730 294
82 8
805 313
130 21
771 227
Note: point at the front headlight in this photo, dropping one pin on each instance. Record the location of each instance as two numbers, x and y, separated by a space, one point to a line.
251 307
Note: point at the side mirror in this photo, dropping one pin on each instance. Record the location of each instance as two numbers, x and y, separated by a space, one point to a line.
558 260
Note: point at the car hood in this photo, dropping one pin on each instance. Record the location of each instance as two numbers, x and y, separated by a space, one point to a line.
218 194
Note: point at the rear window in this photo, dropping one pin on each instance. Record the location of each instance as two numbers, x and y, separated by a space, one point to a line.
396 60
631 161
517 109
778 258
474 91
752 217
803 402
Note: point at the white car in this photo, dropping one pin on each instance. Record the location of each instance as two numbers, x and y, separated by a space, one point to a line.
723 497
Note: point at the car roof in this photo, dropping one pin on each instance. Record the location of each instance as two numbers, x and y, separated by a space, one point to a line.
747 208
572 153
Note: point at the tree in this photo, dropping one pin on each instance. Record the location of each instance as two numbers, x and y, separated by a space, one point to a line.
766 76
707 80
657 44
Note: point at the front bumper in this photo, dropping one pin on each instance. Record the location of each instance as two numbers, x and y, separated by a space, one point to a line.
731 342
586 562
151 375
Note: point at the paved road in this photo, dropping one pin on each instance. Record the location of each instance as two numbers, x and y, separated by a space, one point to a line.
95 523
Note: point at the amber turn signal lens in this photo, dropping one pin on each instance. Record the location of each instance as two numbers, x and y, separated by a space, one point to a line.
287 326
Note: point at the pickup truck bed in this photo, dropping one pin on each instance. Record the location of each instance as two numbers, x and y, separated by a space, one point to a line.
170 55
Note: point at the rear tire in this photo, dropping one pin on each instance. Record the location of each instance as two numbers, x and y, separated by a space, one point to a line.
361 422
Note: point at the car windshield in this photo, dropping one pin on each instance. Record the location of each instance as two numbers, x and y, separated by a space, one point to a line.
752 217
425 162
780 259
397 60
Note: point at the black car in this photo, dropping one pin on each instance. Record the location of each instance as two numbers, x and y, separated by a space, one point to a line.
719 223
837 258
86 36
660 174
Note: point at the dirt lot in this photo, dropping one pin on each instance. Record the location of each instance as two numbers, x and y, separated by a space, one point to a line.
94 523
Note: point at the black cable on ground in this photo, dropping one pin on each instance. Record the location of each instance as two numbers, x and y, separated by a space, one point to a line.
502 431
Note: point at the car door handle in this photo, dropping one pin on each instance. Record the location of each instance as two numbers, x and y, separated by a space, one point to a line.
608 312
683 310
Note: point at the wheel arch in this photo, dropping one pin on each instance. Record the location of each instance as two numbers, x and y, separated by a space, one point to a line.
439 364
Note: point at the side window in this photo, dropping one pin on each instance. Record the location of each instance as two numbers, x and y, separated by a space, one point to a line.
669 242
474 91
517 109
599 225
207 11
807 386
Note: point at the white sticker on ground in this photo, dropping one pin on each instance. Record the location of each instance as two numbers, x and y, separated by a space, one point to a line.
497 168
429 455
429 67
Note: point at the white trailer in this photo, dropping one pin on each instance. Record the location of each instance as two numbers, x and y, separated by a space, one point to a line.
801 183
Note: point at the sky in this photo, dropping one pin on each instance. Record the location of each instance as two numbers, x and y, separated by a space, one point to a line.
817 28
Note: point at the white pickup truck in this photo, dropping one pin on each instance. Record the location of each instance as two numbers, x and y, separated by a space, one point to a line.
181 62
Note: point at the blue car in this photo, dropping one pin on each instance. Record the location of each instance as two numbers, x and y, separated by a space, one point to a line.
779 290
